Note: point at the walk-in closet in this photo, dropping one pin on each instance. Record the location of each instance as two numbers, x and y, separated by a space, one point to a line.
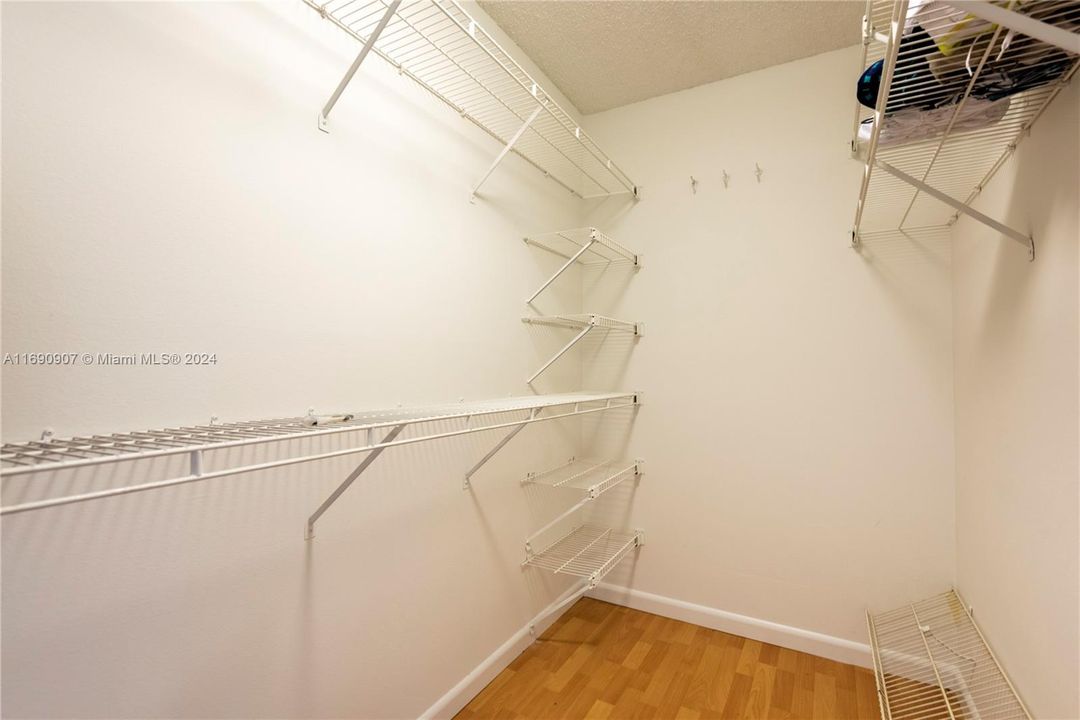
536 359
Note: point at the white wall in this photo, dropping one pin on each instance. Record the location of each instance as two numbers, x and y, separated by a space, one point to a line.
798 395
1017 428
165 188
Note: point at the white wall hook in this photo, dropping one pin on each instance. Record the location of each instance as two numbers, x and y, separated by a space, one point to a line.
693 185
726 178
758 171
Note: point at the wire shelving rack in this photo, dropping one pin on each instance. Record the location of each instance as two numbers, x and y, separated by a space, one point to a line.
932 662
592 477
288 441
441 47
929 182
584 323
587 551
585 246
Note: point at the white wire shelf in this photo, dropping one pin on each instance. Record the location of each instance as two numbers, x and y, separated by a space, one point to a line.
923 181
592 477
932 663
441 47
584 323
586 320
586 246
588 551
291 440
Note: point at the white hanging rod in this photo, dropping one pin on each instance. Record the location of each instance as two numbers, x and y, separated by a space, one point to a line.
595 484
587 551
955 163
55 455
442 48
581 241
587 322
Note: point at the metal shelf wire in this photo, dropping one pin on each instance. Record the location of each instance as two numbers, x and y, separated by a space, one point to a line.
592 477
932 663
588 551
289 441
585 320
928 182
584 323
441 47
587 246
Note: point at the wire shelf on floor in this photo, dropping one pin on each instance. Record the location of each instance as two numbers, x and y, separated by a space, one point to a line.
440 46
914 180
932 663
200 447
593 477
587 552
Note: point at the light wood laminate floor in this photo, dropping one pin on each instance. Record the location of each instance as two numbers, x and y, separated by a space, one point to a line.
605 661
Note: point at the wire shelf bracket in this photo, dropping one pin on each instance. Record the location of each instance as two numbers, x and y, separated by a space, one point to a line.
594 480
587 551
923 177
324 114
585 323
595 242
467 483
438 45
1025 240
205 446
931 662
505 151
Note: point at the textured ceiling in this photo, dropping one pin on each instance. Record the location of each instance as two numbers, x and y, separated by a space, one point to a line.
607 53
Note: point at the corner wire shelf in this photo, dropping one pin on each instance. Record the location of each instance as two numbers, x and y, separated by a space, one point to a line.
925 183
441 47
590 477
931 662
588 552
201 446
585 246
585 323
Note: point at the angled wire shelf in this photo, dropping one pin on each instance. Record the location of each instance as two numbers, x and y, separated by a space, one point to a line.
960 85
587 246
204 452
584 323
588 551
441 47
932 663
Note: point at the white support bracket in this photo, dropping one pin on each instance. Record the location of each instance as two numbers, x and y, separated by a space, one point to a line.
383 22
506 149
1025 240
533 414
572 259
577 338
309 533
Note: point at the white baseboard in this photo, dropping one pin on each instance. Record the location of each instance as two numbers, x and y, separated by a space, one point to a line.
806 641
459 696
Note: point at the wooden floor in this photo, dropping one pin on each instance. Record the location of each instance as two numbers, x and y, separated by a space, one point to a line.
605 661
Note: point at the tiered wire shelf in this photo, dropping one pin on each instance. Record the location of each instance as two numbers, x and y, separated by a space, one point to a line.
932 663
585 246
584 323
284 441
591 478
441 47
929 182
588 552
